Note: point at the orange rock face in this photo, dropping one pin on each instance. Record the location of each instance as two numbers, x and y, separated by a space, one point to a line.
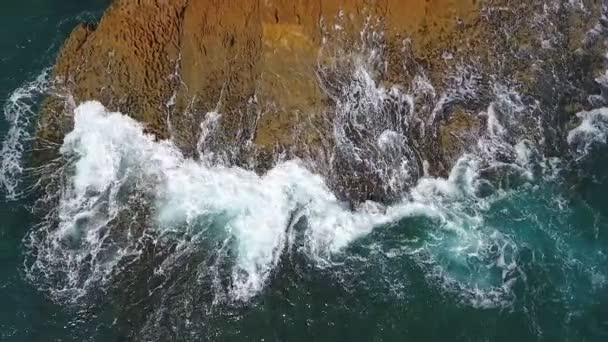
176 60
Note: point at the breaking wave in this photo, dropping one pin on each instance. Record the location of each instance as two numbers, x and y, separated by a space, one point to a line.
109 154
122 190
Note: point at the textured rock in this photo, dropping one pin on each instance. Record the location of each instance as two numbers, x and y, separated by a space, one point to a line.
218 53
127 69
269 68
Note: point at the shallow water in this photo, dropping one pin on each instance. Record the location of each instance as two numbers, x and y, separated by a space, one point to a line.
146 244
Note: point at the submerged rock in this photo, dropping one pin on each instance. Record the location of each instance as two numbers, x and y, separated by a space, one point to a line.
365 91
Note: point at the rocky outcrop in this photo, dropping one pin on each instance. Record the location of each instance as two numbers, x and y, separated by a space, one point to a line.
271 70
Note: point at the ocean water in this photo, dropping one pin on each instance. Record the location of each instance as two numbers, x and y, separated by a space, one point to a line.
144 243
32 33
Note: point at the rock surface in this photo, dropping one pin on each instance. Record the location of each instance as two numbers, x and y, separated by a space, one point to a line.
274 73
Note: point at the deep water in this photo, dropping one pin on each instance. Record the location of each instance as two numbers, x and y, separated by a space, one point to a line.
521 255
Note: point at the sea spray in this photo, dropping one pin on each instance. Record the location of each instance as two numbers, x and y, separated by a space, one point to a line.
108 153
110 149
248 221
592 131
20 112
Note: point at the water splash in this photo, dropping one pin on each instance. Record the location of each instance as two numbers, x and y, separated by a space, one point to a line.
19 112
110 161
592 131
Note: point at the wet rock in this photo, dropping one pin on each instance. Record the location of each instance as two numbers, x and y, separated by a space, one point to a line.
276 73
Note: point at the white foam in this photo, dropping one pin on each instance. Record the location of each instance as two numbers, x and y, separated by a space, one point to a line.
370 128
495 128
208 126
254 215
18 112
110 150
592 130
389 140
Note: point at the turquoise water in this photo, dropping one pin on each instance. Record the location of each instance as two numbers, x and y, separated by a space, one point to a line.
518 257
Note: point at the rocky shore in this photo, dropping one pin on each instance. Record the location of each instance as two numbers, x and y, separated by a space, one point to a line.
248 82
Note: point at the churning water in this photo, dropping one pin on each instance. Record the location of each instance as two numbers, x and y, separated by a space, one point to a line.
156 245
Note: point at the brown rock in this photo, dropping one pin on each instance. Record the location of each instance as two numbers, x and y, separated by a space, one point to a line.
271 68
215 55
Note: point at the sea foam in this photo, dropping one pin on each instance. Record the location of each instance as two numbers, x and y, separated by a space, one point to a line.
592 131
19 111
109 151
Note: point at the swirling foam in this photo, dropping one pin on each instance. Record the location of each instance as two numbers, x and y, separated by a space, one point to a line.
108 152
592 131
19 111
